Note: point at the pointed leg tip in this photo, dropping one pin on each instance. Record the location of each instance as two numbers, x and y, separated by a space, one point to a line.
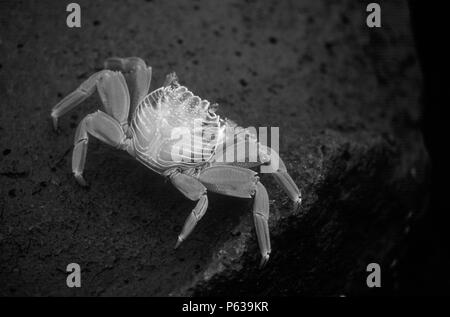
179 240
298 202
264 260
55 123
81 180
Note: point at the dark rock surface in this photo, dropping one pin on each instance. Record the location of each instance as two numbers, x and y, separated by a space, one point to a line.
346 99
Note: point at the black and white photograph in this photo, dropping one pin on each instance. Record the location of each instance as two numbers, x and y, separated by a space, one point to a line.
222 149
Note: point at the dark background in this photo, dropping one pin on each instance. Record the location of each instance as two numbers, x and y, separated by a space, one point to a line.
429 249
346 97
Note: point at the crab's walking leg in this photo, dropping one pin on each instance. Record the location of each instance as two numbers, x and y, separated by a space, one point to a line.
69 102
261 218
287 183
242 182
112 89
137 75
104 128
111 127
280 174
195 191
197 213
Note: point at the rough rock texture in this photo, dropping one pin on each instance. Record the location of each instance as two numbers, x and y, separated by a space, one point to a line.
346 99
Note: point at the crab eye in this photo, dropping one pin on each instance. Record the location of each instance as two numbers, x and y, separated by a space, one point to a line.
213 107
204 104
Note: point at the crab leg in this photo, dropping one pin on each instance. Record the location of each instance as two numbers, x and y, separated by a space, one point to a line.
109 128
287 183
197 213
104 128
113 92
261 218
86 89
194 190
242 182
137 75
280 174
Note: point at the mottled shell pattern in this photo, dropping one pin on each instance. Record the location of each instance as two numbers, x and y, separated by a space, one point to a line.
172 109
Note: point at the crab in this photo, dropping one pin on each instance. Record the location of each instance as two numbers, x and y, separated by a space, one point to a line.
143 124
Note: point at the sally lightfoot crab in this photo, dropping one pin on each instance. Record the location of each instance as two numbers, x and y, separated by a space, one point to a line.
151 134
